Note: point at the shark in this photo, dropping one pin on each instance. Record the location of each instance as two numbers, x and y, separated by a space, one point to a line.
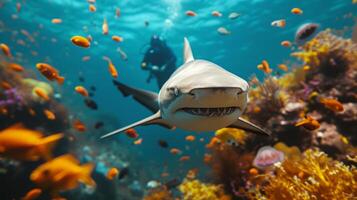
199 96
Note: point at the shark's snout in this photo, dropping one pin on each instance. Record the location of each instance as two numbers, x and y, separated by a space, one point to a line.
213 91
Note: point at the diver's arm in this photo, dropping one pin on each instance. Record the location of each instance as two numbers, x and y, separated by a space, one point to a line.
172 60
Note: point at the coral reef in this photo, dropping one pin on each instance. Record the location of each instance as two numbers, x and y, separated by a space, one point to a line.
322 90
161 193
315 176
194 189
280 103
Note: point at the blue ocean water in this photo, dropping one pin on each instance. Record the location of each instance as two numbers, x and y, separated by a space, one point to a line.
252 39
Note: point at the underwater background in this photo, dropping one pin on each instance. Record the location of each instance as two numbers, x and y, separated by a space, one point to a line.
309 104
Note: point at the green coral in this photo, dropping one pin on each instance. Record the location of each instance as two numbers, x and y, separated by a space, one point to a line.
194 189
315 176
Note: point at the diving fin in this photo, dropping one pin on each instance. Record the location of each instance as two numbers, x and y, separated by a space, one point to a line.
249 126
153 119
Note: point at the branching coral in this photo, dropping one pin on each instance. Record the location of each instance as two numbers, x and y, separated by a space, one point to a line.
194 189
316 176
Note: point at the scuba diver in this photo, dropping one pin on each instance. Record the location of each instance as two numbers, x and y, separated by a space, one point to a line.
159 60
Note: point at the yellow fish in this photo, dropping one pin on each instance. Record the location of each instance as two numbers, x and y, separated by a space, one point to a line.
62 173
20 143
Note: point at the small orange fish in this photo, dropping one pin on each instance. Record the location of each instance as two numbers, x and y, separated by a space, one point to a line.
62 173
286 43
117 38
190 138
192 173
16 67
296 11
207 158
112 173
191 13
50 72
253 171
306 68
131 133
5 49
79 126
49 114
81 90
18 142
31 112
117 12
138 141
3 111
56 21
105 27
185 158
332 104
32 194
264 66
175 151
5 85
216 14
309 123
80 41
281 23
112 70
283 67
92 8
41 93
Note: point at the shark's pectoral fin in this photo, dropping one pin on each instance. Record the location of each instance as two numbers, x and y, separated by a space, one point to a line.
153 119
249 126
144 97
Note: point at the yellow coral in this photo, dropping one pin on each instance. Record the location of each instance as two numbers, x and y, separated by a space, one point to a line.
229 135
317 50
316 176
196 190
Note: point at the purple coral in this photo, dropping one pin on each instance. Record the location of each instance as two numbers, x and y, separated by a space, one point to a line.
267 156
11 97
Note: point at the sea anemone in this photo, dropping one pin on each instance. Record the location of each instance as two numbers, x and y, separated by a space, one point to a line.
267 157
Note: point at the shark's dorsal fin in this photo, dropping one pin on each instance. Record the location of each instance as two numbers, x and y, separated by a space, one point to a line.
153 119
249 126
187 52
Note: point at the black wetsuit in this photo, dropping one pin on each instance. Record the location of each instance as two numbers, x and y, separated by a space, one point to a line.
161 56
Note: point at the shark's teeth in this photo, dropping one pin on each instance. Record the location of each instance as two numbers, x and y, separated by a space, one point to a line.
210 112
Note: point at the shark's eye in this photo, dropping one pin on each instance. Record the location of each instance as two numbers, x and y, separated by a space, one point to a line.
174 91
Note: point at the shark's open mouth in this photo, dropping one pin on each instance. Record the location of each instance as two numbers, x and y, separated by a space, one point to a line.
210 112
